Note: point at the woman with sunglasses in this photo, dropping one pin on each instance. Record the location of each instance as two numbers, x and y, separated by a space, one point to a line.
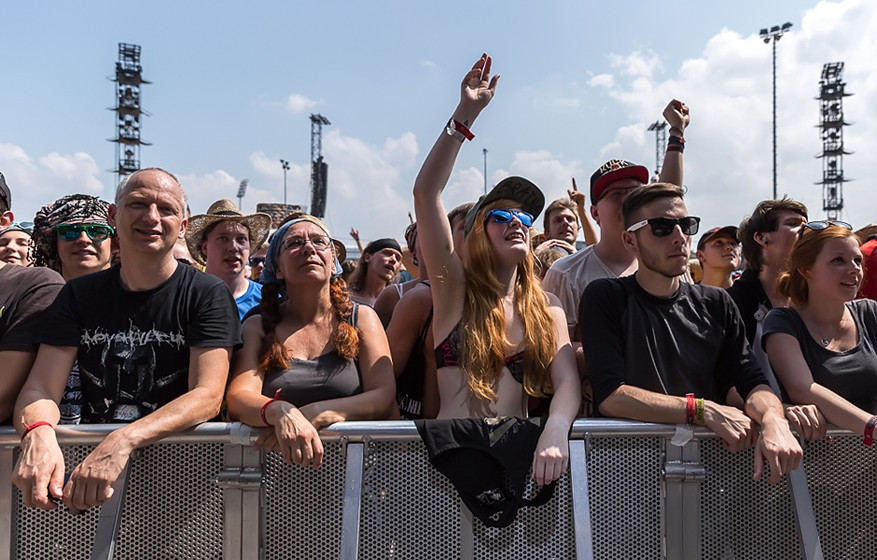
312 357
823 348
499 338
72 237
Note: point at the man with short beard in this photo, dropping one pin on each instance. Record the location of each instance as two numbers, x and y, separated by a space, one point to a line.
377 266
666 351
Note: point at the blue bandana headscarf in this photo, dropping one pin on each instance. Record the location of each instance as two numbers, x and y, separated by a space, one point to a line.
269 271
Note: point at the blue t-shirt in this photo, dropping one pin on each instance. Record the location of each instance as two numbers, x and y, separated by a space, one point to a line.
249 299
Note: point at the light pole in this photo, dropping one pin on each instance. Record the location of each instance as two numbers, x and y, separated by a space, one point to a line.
285 165
242 190
484 151
776 32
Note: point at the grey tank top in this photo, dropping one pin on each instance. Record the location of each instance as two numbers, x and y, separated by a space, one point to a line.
329 376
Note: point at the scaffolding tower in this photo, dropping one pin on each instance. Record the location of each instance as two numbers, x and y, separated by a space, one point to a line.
660 128
319 169
831 123
128 111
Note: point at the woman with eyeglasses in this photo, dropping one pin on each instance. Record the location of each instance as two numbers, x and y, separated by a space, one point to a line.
312 357
499 337
823 348
73 237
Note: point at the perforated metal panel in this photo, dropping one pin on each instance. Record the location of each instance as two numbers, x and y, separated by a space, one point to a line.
172 510
842 476
55 534
624 487
303 507
741 518
412 511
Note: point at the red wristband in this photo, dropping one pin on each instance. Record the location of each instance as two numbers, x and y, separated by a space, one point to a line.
690 408
869 431
27 429
265 406
456 126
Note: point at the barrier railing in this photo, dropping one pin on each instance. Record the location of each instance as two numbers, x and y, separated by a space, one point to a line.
630 493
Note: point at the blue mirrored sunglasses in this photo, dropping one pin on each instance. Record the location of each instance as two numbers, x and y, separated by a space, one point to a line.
506 216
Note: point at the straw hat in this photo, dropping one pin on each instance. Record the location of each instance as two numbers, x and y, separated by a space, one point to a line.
225 211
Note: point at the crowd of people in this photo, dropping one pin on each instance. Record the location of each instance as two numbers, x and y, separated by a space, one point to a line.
136 313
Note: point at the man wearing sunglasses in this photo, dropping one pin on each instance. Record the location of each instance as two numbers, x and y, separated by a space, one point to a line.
25 293
610 184
153 341
662 350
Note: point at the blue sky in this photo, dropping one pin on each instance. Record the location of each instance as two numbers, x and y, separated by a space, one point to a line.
233 87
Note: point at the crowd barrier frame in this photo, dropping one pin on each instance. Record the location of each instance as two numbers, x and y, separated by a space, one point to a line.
630 493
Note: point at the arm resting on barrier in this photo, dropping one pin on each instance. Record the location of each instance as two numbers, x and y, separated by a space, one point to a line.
16 365
776 444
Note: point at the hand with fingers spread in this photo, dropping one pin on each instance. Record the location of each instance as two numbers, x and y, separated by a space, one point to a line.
677 115
39 473
478 86
731 424
807 420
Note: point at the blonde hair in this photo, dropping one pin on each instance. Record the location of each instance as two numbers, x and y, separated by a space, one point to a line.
483 321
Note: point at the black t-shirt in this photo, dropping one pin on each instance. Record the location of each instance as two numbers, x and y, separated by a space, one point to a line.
852 374
134 345
748 294
692 342
25 292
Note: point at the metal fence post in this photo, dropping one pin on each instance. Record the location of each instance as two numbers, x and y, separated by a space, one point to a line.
682 476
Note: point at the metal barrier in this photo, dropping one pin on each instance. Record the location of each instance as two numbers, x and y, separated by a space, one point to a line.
630 493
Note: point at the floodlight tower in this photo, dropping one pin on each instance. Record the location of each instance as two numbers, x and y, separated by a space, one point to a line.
776 33
242 190
319 169
660 128
128 80
831 123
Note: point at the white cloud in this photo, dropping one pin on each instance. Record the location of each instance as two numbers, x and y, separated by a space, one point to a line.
602 80
728 161
298 103
636 63
37 181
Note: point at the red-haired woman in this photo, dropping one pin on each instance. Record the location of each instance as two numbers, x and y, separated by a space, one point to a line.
312 357
823 348
499 337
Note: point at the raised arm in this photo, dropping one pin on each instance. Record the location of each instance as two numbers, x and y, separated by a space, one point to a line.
588 229
677 115
436 242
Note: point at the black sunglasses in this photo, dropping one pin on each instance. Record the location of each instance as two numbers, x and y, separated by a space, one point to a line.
819 225
662 227
257 260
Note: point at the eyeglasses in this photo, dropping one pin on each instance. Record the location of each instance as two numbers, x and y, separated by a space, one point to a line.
822 224
318 242
506 216
255 261
95 232
662 227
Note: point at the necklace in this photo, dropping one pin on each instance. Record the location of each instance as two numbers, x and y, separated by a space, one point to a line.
840 329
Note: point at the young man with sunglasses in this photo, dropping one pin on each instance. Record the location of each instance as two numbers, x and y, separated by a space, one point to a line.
662 350
153 340
25 293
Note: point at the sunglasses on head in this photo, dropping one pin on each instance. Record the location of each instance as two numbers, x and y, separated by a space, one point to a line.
819 225
506 216
662 227
95 232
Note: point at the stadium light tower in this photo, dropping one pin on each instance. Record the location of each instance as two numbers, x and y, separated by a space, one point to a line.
776 32
285 165
242 190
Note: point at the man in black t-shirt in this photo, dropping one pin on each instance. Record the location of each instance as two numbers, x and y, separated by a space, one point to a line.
153 339
650 340
24 294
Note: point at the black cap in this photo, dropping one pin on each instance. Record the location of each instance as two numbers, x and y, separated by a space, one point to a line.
514 188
